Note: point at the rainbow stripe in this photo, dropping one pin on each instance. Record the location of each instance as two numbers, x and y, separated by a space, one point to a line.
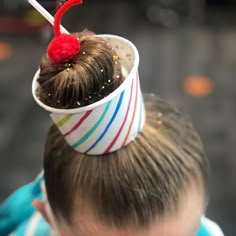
61 122
84 117
109 124
140 114
125 119
134 113
91 131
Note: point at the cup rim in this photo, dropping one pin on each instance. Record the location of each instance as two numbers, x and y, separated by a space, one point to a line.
99 103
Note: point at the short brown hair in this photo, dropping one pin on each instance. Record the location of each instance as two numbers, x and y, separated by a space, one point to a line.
134 184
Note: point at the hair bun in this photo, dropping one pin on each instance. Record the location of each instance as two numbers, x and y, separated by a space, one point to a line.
63 48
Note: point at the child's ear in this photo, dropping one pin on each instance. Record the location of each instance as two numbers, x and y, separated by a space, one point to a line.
40 206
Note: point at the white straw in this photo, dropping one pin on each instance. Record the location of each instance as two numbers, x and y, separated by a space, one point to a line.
46 14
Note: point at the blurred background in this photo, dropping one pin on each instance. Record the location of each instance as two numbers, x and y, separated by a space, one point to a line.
188 57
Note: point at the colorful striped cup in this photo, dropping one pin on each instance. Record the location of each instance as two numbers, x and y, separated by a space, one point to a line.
114 121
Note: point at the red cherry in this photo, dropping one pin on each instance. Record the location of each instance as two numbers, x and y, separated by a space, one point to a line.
63 48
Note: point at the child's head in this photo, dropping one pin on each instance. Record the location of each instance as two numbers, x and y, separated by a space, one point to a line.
155 185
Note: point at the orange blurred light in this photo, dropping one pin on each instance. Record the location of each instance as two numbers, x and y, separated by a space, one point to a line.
198 86
5 51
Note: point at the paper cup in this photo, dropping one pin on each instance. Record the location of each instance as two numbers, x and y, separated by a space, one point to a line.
114 121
